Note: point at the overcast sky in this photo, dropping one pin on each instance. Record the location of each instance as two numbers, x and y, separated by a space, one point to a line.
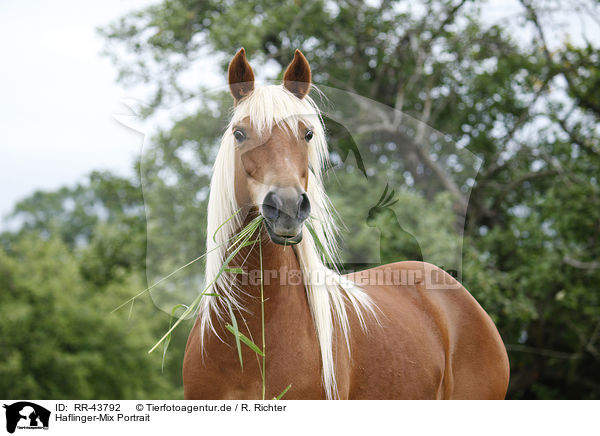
58 96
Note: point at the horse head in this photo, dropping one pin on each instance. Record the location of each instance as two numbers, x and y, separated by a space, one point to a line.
272 161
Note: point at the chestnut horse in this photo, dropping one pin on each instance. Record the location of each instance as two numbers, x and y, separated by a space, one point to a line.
406 330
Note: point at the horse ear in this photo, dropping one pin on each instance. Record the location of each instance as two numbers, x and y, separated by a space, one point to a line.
240 76
297 76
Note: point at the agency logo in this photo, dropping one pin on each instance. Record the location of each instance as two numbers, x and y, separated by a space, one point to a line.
26 415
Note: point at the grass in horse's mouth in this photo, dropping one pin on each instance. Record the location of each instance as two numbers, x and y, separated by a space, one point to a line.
238 241
282 240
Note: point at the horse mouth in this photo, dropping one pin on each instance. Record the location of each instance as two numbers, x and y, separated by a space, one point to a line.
283 239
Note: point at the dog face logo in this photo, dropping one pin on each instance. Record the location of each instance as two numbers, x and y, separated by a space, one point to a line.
26 415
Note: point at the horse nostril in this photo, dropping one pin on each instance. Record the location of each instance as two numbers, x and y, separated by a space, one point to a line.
304 208
271 206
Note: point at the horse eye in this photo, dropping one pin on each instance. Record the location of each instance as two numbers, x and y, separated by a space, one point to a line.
308 135
239 135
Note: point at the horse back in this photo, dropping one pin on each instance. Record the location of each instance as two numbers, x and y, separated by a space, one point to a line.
430 339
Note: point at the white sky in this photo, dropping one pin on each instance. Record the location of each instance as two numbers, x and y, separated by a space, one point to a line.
58 95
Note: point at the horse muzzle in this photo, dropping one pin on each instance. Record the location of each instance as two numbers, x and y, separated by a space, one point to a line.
284 211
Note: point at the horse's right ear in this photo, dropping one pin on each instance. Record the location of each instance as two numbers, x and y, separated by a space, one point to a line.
240 76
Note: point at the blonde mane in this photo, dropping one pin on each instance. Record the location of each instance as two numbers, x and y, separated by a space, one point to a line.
327 295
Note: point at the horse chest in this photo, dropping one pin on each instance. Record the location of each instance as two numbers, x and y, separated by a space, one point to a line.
292 358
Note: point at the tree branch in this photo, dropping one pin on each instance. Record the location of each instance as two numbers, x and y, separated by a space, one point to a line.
590 266
542 351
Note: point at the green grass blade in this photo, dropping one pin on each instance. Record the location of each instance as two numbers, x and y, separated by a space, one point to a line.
280 396
245 340
318 243
233 328
189 310
168 340
226 221
130 310
263 368
165 348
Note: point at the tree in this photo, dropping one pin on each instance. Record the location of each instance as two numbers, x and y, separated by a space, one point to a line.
78 255
58 336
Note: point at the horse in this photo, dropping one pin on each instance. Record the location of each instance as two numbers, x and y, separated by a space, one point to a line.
405 330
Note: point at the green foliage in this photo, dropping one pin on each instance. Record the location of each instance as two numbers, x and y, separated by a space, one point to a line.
58 337
521 116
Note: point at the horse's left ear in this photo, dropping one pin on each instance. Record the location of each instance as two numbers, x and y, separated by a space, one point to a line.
297 76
